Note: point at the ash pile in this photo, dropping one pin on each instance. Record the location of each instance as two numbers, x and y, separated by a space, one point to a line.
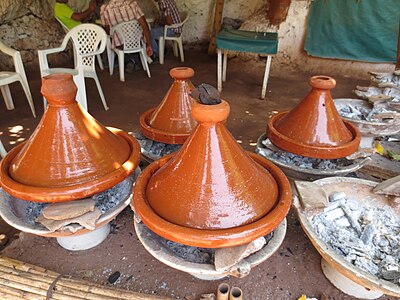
366 236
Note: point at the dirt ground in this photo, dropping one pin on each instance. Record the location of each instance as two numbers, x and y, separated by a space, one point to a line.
292 271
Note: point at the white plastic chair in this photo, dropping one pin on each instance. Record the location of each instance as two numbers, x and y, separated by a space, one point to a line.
3 151
176 39
88 40
131 35
7 77
98 56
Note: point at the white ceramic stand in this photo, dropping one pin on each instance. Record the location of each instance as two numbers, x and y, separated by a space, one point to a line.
85 241
346 285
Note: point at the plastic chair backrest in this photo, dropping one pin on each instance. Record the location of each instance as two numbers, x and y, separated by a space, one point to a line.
184 16
87 38
18 65
130 33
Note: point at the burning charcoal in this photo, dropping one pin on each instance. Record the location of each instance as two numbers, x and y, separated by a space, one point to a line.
381 241
337 196
146 143
343 222
334 214
368 234
391 275
206 94
156 149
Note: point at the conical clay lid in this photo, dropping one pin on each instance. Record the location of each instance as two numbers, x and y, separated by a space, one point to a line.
211 183
172 122
314 128
70 155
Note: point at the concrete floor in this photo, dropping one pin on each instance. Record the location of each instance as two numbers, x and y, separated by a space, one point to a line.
292 271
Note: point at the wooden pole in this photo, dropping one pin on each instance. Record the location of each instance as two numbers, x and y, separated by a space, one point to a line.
19 280
218 10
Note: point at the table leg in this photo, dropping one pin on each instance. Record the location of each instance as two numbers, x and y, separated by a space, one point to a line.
224 63
219 69
266 75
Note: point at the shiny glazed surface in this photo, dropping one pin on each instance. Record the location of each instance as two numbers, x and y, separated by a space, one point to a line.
211 183
69 154
173 114
213 238
314 124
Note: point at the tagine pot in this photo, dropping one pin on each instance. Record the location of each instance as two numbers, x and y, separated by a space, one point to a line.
172 122
70 155
314 128
211 193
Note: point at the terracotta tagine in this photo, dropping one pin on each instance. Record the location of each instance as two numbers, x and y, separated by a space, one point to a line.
211 193
171 122
314 128
70 155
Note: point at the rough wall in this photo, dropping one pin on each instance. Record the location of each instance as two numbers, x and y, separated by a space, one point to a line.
27 25
291 56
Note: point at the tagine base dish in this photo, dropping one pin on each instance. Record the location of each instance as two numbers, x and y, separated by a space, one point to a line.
358 190
156 246
17 213
384 127
157 134
346 285
299 173
213 238
152 150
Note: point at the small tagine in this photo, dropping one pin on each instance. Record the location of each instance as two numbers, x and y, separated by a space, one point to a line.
69 155
171 122
211 193
314 128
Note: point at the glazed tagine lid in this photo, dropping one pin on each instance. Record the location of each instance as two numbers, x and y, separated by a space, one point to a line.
314 128
172 122
69 155
211 193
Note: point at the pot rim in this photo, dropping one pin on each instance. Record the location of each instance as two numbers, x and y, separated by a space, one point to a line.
213 238
325 152
71 192
157 134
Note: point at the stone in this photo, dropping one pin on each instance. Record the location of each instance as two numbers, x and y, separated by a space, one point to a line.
68 210
114 277
311 195
227 257
87 220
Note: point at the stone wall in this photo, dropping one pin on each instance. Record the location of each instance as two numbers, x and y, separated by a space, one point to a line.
28 25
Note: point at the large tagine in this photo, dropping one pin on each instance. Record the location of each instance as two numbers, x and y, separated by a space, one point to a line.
211 193
314 128
171 122
69 155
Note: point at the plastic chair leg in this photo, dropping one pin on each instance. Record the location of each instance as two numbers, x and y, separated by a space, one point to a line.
175 48
161 50
81 95
144 62
28 96
100 62
121 62
3 151
5 91
103 99
181 50
110 56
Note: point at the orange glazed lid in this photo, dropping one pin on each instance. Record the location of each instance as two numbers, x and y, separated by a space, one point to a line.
212 193
70 155
171 122
314 128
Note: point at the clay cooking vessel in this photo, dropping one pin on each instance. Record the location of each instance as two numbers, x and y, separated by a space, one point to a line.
69 155
171 122
211 193
314 128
